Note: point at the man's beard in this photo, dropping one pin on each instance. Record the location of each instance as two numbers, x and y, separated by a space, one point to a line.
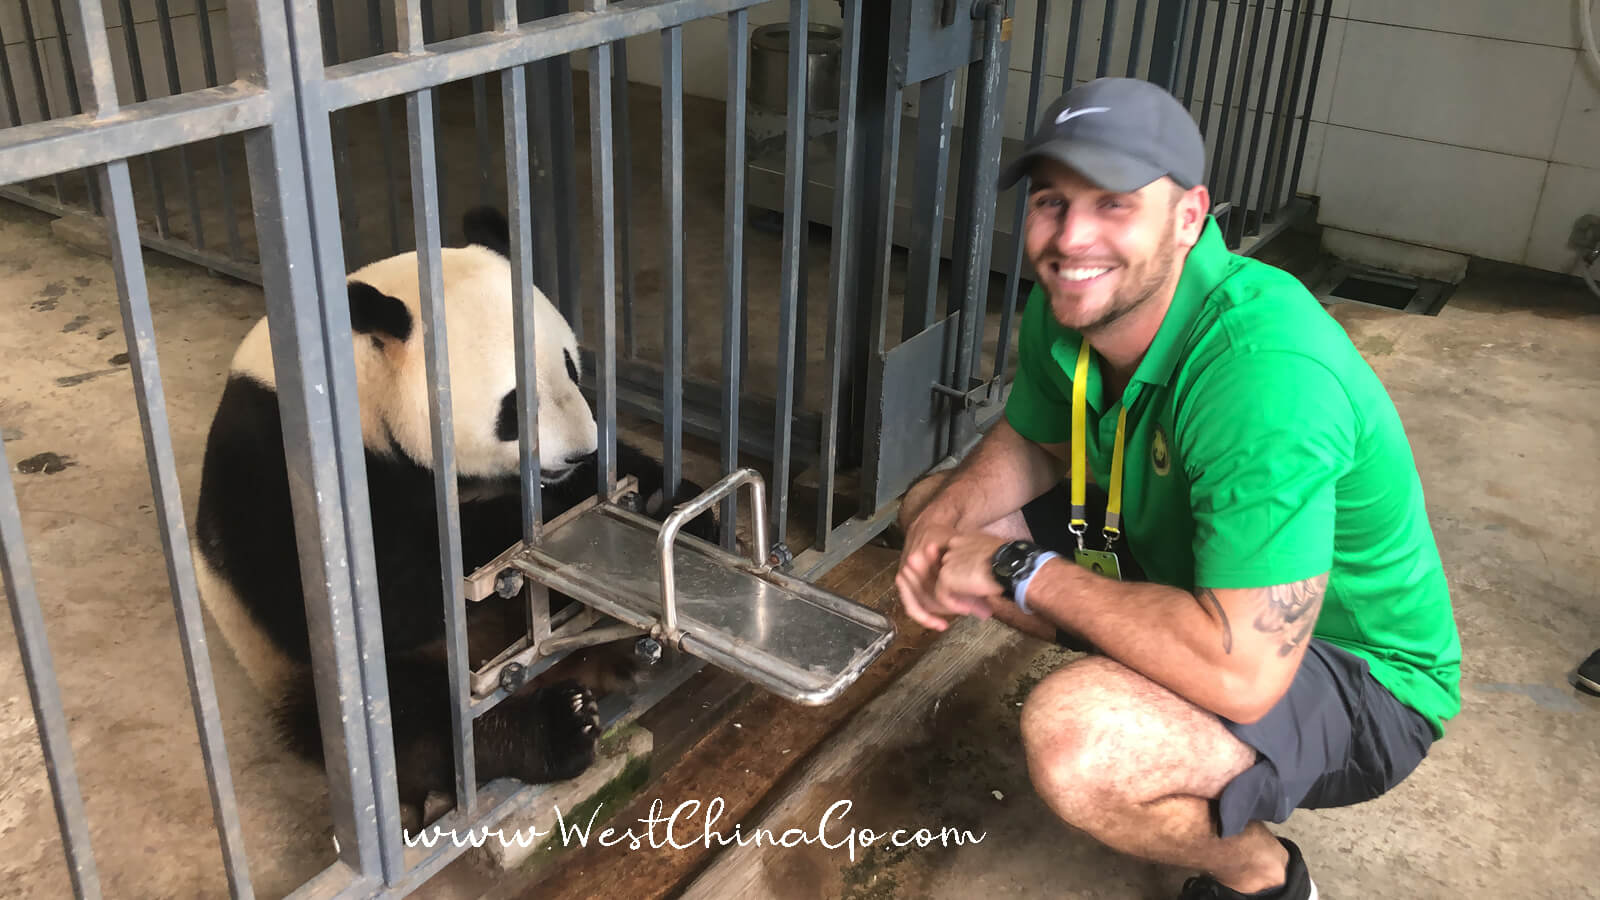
1142 283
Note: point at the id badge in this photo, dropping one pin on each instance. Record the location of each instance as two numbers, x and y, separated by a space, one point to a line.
1100 562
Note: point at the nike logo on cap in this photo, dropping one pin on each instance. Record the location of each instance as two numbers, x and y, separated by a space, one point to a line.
1070 113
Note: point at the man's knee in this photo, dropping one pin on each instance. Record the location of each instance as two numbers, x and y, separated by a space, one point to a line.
1099 736
1070 731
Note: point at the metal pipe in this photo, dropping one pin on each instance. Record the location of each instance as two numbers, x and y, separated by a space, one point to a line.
794 234
843 258
733 250
673 270
668 536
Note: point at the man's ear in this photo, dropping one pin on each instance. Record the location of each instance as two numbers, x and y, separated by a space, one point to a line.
1194 206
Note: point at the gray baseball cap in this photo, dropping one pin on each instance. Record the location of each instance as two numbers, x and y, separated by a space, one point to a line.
1120 133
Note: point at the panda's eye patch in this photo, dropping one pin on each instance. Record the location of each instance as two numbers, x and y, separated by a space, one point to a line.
572 367
505 427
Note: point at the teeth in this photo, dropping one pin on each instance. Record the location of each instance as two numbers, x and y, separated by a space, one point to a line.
1083 274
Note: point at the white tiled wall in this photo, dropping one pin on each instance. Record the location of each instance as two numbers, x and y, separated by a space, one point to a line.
1471 126
1465 125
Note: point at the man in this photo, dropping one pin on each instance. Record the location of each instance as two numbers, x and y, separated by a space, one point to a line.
1294 644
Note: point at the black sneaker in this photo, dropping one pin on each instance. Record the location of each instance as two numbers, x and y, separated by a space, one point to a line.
1297 884
1588 677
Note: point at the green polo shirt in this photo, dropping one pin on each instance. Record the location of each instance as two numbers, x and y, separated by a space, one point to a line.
1262 449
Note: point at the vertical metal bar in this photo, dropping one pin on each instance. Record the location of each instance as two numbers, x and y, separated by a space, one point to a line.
169 53
882 93
74 104
1211 76
980 236
128 264
794 231
519 216
123 233
1236 214
672 197
1074 34
308 317
208 58
1041 29
339 121
1241 223
480 109
733 249
13 111
1311 94
38 79
1108 32
1283 116
1227 93
386 127
1166 42
425 219
844 257
1194 52
605 232
130 39
1135 38
624 164
935 119
430 34
38 670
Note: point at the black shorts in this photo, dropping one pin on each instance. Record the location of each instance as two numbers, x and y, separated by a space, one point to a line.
1337 737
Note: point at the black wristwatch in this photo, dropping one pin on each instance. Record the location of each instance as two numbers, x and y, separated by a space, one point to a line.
1013 562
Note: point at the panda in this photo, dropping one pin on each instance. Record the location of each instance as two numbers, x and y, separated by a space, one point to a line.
246 556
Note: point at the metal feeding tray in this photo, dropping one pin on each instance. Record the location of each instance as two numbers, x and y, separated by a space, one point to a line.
791 637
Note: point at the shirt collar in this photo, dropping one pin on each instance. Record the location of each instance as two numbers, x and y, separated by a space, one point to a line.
1208 263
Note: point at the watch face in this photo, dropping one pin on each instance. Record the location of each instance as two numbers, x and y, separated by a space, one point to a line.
1012 559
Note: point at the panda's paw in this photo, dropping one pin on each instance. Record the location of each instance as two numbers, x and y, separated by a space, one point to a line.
571 723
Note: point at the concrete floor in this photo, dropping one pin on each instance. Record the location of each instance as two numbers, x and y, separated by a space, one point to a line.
1499 394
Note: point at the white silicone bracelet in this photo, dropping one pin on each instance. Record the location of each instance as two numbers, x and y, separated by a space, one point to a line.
1020 589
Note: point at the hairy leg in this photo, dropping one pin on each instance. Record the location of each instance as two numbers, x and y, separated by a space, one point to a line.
1136 766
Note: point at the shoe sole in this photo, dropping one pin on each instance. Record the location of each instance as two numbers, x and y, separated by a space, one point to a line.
1587 684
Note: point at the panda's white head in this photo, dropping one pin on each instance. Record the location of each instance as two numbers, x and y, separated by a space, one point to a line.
391 365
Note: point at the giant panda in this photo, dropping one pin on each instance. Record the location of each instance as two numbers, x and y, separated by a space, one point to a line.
246 556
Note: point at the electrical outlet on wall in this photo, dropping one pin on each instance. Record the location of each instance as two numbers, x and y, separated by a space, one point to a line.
1586 233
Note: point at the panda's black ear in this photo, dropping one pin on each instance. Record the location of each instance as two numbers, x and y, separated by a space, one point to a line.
375 313
488 227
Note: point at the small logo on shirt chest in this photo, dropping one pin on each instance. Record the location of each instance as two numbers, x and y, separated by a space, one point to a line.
1160 453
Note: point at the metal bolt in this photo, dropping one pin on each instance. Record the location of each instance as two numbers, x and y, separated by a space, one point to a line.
508 583
513 677
648 650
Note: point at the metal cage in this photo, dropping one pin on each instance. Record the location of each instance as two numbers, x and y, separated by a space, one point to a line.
250 152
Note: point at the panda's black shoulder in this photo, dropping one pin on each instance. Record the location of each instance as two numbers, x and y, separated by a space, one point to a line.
487 227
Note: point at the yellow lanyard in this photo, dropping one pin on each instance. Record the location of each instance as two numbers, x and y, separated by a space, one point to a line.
1113 529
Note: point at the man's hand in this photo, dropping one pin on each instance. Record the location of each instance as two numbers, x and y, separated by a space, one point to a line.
966 575
920 564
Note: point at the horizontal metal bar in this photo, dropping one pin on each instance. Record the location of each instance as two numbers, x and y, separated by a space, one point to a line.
392 74
75 142
215 260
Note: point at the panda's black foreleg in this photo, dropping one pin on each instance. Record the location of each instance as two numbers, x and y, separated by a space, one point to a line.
543 733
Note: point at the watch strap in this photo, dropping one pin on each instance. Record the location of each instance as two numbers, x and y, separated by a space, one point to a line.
1020 588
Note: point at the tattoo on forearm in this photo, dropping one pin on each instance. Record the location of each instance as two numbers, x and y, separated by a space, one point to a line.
1291 611
1208 596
